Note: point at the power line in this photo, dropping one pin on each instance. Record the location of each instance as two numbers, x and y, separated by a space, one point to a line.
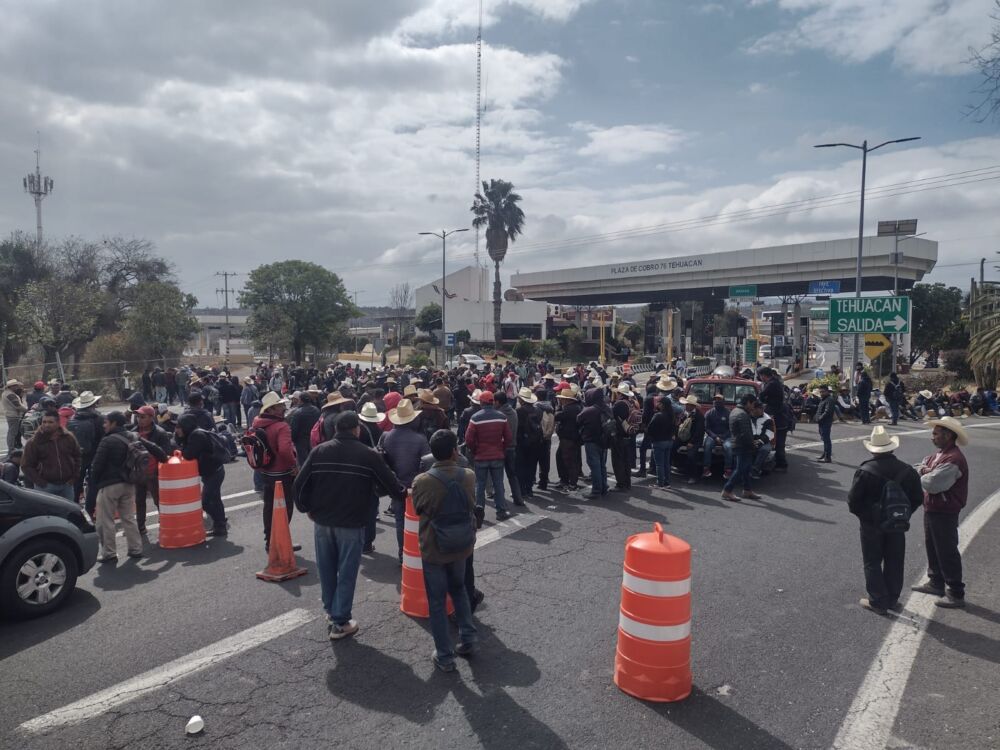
225 290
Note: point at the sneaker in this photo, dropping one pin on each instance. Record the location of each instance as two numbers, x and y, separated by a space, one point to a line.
951 602
503 515
443 665
296 548
108 559
871 607
706 473
140 553
477 599
342 631
730 497
727 473
750 495
521 503
926 588
467 649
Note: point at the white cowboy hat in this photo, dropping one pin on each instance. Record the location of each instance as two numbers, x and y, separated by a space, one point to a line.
370 413
333 399
427 396
881 441
950 423
526 395
570 373
12 382
270 400
548 376
404 413
84 400
693 400
625 389
666 384
410 390
926 394
313 389
474 398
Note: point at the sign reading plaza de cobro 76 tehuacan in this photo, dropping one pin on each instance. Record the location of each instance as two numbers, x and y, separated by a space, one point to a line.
889 314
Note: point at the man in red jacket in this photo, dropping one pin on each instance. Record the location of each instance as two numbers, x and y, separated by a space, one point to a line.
487 438
283 467
944 477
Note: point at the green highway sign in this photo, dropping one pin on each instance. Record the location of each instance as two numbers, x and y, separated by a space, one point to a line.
870 315
819 313
750 350
743 291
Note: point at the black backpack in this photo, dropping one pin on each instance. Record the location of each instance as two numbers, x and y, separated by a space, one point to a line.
454 525
892 512
609 429
135 468
258 451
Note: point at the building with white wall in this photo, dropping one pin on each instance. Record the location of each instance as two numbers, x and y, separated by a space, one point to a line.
469 306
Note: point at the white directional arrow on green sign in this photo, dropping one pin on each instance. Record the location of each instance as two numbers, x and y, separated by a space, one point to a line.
889 314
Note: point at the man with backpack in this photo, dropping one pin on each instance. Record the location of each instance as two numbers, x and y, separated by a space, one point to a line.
547 420
206 447
269 449
529 440
883 495
443 498
119 462
503 405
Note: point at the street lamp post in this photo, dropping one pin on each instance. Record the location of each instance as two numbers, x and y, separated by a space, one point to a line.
865 150
443 235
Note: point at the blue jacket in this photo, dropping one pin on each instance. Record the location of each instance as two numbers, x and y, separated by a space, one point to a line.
717 423
404 446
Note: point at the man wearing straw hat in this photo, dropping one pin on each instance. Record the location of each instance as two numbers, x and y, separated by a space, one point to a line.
404 447
944 477
883 552
14 409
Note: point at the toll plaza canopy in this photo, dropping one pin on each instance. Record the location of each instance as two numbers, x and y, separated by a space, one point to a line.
785 270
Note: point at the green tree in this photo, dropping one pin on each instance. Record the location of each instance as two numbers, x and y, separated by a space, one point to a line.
550 349
986 60
313 299
463 337
523 348
496 209
572 342
937 316
634 334
160 321
429 317
21 261
269 329
59 314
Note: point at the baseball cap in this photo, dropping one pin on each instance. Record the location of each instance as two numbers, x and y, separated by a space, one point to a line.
486 397
147 410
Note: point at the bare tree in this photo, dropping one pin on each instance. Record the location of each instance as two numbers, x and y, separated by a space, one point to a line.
987 61
400 299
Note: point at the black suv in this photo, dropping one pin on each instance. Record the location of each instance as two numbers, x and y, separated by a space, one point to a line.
45 543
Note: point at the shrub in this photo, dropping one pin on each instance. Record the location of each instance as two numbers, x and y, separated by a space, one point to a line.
523 349
957 361
418 359
831 380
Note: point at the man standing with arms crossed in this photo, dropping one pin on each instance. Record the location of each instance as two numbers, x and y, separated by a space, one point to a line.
944 476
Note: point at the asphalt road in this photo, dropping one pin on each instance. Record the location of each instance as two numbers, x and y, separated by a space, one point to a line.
780 647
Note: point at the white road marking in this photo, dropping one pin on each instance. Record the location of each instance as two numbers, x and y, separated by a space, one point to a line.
504 528
242 506
872 715
857 438
124 692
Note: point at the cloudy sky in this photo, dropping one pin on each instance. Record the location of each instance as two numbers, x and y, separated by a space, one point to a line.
239 133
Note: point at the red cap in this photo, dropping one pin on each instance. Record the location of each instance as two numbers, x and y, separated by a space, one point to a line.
39 385
486 397
147 410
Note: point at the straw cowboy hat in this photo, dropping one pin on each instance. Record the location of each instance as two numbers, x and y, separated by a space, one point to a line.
625 389
370 413
567 394
271 400
84 400
548 376
334 398
666 383
881 441
404 413
314 389
410 390
692 399
248 381
950 423
527 396
427 397
926 394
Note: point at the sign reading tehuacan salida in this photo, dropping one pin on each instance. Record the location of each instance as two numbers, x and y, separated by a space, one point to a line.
890 314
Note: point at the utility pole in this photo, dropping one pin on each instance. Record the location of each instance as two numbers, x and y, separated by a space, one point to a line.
444 254
39 188
354 293
225 291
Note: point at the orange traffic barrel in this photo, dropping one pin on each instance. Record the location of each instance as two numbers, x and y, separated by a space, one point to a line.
412 592
653 659
180 504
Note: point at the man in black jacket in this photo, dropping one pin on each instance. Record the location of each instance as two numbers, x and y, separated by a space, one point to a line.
162 446
773 396
334 488
590 422
301 420
205 447
741 427
108 492
883 553
569 464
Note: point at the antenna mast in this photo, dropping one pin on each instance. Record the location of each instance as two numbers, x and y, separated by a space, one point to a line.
479 106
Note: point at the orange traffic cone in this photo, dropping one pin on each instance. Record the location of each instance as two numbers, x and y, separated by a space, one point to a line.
653 658
412 592
280 559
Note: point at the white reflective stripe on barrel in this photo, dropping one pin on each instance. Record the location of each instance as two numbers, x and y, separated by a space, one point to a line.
413 563
170 510
661 633
178 484
413 526
656 588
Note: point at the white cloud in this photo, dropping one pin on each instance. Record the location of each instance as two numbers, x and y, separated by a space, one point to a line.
923 36
631 59
621 144
758 88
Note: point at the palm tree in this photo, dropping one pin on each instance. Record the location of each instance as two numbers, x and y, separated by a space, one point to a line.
984 329
496 209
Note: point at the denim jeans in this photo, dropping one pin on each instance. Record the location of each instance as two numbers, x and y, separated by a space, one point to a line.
161 394
231 412
371 521
597 462
62 490
398 508
824 433
761 457
727 449
744 461
661 455
211 498
510 469
441 580
494 471
338 557
894 409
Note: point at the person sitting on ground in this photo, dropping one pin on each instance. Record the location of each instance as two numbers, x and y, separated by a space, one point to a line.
843 405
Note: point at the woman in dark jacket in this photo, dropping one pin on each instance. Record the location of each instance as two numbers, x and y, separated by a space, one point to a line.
660 434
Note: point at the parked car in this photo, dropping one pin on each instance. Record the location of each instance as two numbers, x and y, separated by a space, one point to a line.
764 352
45 543
472 360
